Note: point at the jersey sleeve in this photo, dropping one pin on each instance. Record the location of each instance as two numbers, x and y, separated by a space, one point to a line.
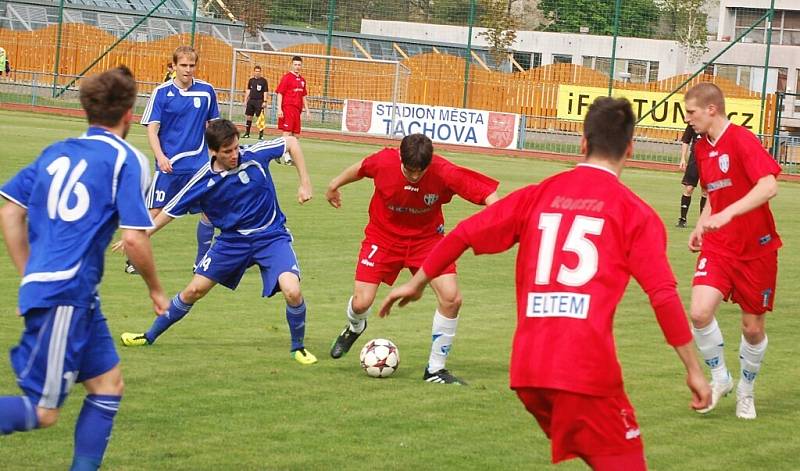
265 151
281 86
647 259
757 161
152 112
213 108
469 184
18 189
129 198
369 166
497 227
250 84
688 135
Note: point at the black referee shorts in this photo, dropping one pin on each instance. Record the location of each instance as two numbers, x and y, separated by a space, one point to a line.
253 108
690 175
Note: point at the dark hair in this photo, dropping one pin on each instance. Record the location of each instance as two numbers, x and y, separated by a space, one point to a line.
297 58
184 51
107 96
257 67
220 133
169 65
416 151
608 127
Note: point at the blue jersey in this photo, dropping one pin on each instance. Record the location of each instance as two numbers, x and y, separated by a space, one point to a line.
76 193
182 116
240 201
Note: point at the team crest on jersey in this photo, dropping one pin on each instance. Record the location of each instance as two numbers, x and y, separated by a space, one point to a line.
430 198
196 102
244 178
258 88
724 163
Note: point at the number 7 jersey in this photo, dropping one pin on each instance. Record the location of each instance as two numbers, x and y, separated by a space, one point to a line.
582 234
76 194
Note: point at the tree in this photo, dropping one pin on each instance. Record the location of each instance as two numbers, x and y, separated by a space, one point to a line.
638 18
688 22
500 28
253 13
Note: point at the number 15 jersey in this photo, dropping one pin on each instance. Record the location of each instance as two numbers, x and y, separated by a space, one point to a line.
76 193
581 235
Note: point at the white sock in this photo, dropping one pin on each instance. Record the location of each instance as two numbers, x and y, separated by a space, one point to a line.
443 332
358 322
750 358
709 342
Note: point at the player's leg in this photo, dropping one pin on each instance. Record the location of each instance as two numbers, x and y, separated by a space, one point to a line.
289 284
703 199
179 307
96 419
249 122
205 235
443 329
358 310
686 201
708 337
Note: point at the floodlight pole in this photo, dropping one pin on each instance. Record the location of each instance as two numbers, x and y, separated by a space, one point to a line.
328 47
194 20
617 7
58 46
468 58
770 14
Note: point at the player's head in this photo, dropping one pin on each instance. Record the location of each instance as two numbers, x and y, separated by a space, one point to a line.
416 152
170 66
108 98
184 59
222 137
608 129
257 71
297 64
705 104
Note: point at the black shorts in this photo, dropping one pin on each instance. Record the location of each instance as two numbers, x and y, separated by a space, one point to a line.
690 175
253 107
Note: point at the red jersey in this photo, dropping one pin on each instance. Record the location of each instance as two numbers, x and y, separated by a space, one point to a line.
729 169
401 210
293 89
581 235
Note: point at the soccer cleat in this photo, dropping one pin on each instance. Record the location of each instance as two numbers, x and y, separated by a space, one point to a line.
681 223
303 356
261 136
246 136
345 340
442 376
745 406
130 339
130 269
718 391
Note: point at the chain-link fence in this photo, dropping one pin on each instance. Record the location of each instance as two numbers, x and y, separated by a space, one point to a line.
542 60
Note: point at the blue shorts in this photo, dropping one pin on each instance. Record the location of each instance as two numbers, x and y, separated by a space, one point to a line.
228 259
165 186
60 346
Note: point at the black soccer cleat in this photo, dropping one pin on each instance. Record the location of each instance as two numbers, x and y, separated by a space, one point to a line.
345 341
130 269
443 377
246 135
681 223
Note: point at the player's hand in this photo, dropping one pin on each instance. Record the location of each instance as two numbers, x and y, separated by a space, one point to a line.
118 247
164 164
682 165
334 197
304 193
160 302
280 113
308 114
696 239
405 293
701 391
716 221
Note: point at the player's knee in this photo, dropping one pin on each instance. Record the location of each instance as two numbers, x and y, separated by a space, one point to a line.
688 190
293 295
361 303
450 303
47 417
753 332
701 316
193 293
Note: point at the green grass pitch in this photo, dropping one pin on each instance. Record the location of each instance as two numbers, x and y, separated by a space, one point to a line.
219 391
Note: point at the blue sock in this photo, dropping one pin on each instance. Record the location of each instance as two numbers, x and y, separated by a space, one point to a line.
205 233
296 317
93 430
17 414
177 309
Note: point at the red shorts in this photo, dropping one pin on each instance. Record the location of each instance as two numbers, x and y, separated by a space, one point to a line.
748 283
382 262
579 425
290 121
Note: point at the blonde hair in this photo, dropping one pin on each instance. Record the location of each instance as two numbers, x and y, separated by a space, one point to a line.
706 94
184 51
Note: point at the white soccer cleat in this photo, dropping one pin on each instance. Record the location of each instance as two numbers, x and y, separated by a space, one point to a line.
718 391
745 407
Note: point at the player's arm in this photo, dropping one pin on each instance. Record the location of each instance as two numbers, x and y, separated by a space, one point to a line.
349 175
280 103
155 144
137 247
696 237
764 190
492 198
247 94
306 108
13 219
684 154
304 192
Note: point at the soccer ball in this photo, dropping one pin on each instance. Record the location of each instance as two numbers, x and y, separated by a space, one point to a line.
380 358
